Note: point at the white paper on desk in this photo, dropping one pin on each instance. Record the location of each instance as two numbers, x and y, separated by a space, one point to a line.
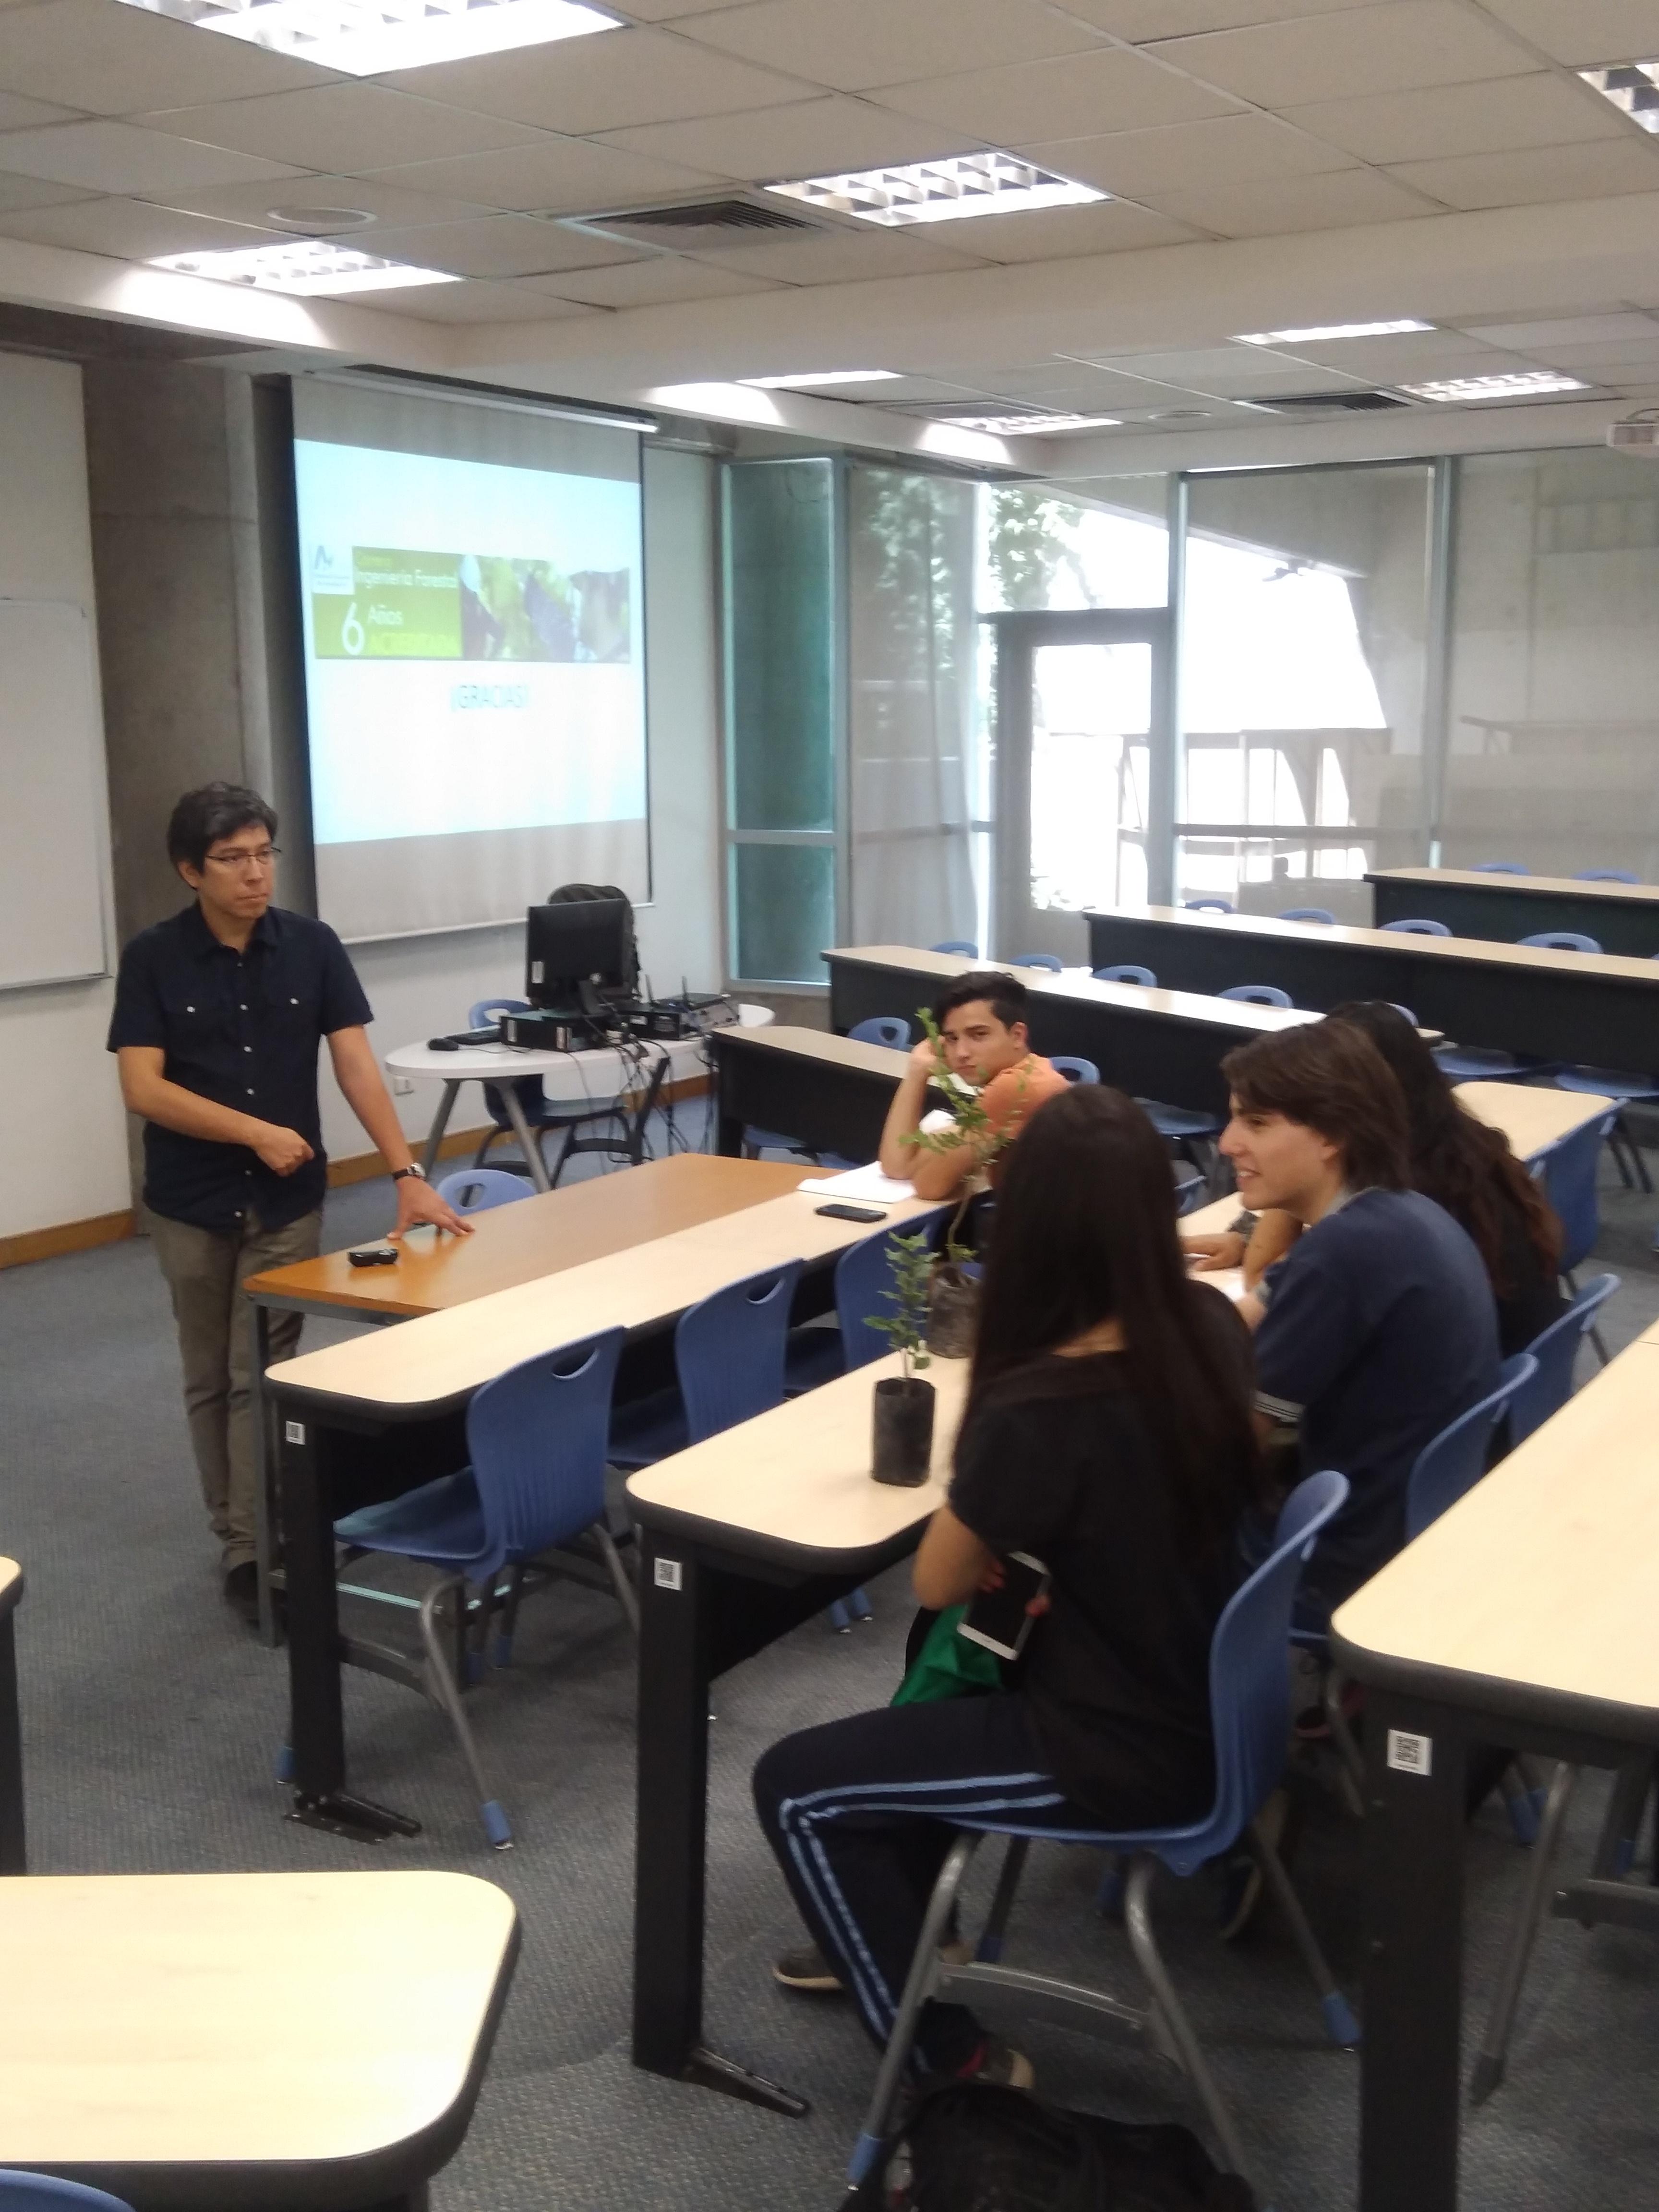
867 1183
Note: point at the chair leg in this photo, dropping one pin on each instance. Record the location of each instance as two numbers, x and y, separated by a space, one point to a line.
627 1596
840 1620
1621 1129
1353 1766
1002 1901
918 1988
1518 1803
1500 2022
1138 1917
1615 1847
446 1694
1340 2025
501 1650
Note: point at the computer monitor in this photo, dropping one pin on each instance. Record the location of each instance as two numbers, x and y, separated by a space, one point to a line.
573 942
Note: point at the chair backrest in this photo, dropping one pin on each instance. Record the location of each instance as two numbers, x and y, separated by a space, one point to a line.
1209 906
474 1190
883 1028
956 944
1037 960
1555 1349
1189 1186
1127 972
1307 914
1567 1171
729 1351
1418 926
1257 994
531 1094
45 2192
1464 1062
1074 1068
1499 868
1456 1459
1405 1013
537 1438
489 1010
1606 876
1562 940
864 1291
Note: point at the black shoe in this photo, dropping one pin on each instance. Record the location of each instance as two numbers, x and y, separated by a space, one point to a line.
242 1592
809 1970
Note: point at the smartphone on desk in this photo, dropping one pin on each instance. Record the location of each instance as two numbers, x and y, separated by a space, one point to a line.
839 1212
373 1255
998 1619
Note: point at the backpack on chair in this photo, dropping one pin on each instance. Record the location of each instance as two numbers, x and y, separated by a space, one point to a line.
972 2147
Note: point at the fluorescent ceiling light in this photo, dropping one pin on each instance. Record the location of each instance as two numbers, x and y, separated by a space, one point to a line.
1633 87
1322 333
311 266
1522 383
1034 426
362 38
941 192
816 376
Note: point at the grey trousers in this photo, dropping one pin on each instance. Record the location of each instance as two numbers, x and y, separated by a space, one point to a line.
205 1270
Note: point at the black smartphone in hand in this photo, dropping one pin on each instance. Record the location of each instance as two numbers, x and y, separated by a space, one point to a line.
998 1619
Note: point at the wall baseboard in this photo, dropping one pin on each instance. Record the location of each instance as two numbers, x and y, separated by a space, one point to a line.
68 1236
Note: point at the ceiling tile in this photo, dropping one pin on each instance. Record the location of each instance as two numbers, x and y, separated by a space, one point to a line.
650 283
808 138
388 203
1225 150
663 11
18 114
1566 330
112 60
130 230
1068 233
1382 49
1584 32
1544 174
584 85
472 303
1145 19
860 43
1446 119
1584 358
1275 207
495 246
570 175
114 157
1411 354
339 126
1209 365
1075 96
36 193
845 257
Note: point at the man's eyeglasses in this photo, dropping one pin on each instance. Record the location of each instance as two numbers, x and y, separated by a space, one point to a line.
266 857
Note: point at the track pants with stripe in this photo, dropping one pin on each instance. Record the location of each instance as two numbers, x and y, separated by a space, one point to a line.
861 1814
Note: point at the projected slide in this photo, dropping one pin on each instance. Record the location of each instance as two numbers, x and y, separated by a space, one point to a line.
474 669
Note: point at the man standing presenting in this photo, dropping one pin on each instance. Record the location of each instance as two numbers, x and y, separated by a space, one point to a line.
218 1015
981 1024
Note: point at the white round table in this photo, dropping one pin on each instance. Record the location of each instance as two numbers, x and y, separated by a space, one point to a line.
596 1077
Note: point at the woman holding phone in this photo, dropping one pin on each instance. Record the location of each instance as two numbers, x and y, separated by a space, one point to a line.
1107 1434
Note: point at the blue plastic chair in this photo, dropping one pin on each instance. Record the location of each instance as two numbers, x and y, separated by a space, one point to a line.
883 1028
1257 994
728 1358
1189 1189
1127 972
1605 876
1567 1171
1249 1712
536 1448
1308 914
474 1190
959 944
1045 960
1074 1068
1480 1063
1561 941
1415 927
43 2192
537 1110
1555 1350
1405 1013
1187 1128
1456 1459
1499 868
1209 906
1630 1090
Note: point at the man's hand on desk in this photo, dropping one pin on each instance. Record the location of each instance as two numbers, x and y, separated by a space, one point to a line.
283 1150
419 1203
1208 1255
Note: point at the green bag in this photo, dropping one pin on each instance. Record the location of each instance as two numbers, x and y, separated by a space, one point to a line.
949 1665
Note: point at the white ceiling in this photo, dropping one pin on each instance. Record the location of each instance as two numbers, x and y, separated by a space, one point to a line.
1270 163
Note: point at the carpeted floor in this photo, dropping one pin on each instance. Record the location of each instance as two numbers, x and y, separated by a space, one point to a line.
151 1719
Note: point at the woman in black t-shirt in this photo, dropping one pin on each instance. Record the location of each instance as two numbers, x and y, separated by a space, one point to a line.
1106 1433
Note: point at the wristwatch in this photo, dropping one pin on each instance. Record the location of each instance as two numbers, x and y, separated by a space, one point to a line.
1242 1225
414 1169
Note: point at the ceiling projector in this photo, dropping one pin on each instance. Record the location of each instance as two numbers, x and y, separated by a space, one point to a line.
1637 434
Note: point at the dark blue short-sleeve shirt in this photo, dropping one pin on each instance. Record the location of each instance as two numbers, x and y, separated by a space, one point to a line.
243 1029
1381 1327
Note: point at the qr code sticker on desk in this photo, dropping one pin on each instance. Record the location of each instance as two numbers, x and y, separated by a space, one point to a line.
1411 1754
669 1574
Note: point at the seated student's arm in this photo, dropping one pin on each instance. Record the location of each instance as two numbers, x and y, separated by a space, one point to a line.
952 1564
146 1090
937 1172
1270 1240
1005 1496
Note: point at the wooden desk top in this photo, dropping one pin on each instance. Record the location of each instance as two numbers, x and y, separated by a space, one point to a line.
1480 879
247 2020
11 1585
1486 952
436 1362
1237 1014
793 1486
537 1236
1536 1595
1531 1116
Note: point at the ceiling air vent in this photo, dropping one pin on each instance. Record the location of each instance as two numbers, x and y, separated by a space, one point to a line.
1331 403
697 226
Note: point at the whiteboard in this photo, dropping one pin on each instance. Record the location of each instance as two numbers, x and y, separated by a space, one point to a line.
52 837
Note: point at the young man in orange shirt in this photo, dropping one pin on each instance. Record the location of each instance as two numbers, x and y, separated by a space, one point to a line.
981 1024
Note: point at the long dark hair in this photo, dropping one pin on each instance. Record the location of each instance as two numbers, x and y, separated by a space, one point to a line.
1329 1077
1455 1157
1084 1232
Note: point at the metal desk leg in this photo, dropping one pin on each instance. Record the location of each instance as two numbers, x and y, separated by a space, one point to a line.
526 1137
671 1834
1414 1860
435 1135
12 1857
264 1468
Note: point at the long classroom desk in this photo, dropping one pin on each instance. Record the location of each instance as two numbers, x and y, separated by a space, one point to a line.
742 1537
1572 1006
384 1412
1163 1044
1524 1616
1621 917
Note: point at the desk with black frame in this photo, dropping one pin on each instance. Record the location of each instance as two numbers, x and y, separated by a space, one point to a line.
1472 902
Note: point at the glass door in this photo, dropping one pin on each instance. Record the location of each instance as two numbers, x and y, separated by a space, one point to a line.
1078 697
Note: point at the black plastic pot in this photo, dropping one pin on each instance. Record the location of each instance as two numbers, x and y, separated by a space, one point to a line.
952 1312
904 1442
